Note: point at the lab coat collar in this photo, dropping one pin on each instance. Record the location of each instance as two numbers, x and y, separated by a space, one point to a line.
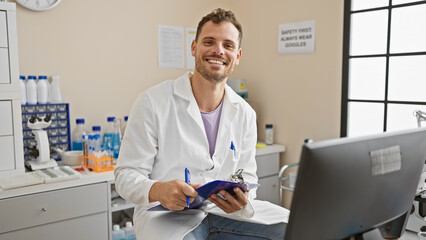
183 89
231 103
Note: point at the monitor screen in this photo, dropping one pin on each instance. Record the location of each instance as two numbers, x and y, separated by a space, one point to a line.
348 186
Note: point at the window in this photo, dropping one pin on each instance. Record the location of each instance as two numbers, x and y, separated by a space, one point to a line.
384 65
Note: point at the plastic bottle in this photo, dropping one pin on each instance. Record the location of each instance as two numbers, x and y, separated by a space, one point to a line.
117 233
77 135
269 134
116 140
130 231
48 89
90 143
23 90
124 126
55 90
112 136
31 89
42 91
97 138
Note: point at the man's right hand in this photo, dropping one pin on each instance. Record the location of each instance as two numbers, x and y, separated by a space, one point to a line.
172 194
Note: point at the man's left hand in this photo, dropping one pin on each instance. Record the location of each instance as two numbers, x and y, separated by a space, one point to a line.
230 203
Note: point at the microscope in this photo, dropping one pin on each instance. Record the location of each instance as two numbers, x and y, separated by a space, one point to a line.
417 219
40 152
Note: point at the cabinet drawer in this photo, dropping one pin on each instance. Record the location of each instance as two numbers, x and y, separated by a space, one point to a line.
269 190
3 29
6 125
7 157
268 164
93 227
37 209
4 66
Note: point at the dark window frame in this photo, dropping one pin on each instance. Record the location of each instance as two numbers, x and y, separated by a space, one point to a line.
346 57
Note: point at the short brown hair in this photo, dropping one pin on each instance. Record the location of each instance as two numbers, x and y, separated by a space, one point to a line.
217 16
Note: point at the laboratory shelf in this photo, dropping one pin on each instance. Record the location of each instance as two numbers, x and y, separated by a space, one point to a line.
118 204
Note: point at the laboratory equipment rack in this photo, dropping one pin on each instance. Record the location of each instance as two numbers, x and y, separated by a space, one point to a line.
58 132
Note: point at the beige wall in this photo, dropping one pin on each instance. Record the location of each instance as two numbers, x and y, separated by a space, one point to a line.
299 94
106 53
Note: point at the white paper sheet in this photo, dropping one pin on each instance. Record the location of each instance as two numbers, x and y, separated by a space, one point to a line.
170 47
190 36
296 38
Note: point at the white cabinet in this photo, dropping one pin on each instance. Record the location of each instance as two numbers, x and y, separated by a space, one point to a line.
79 212
268 167
3 30
11 147
6 143
4 66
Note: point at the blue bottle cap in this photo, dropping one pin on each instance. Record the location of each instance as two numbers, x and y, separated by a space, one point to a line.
79 121
22 77
111 119
32 77
96 128
126 118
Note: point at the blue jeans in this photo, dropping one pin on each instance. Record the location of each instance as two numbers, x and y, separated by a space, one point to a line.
215 227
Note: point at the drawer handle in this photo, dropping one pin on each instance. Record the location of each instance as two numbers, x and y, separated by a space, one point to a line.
44 209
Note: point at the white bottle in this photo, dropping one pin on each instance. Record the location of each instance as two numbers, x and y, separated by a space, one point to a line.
130 231
23 90
42 90
77 135
117 233
48 89
31 89
55 90
269 134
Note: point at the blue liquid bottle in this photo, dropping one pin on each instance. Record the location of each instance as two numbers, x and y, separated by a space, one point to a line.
112 136
117 233
77 135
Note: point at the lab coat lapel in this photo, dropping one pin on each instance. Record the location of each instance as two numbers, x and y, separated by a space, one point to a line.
225 132
182 88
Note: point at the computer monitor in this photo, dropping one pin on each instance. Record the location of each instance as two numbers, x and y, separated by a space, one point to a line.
349 186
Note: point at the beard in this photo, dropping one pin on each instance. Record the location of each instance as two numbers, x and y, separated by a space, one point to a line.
214 77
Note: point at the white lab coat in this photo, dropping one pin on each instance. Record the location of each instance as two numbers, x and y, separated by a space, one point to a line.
165 134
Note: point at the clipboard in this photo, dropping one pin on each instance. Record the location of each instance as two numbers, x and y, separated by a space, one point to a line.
210 188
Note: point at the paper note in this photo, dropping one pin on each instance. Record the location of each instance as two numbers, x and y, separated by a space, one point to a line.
170 47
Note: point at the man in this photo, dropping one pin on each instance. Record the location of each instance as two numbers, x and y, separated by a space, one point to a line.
192 122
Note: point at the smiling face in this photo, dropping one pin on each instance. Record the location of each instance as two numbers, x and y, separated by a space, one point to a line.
216 51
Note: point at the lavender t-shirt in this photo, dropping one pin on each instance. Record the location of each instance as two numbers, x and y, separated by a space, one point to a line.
211 124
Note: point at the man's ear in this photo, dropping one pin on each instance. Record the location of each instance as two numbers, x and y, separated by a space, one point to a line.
193 44
239 54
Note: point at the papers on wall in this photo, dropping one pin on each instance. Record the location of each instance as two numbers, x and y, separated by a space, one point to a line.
190 36
296 38
170 47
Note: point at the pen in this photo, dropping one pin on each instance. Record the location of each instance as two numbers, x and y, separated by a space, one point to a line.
188 181
233 147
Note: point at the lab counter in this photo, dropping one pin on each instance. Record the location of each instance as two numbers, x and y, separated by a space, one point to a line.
85 179
73 209
83 208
